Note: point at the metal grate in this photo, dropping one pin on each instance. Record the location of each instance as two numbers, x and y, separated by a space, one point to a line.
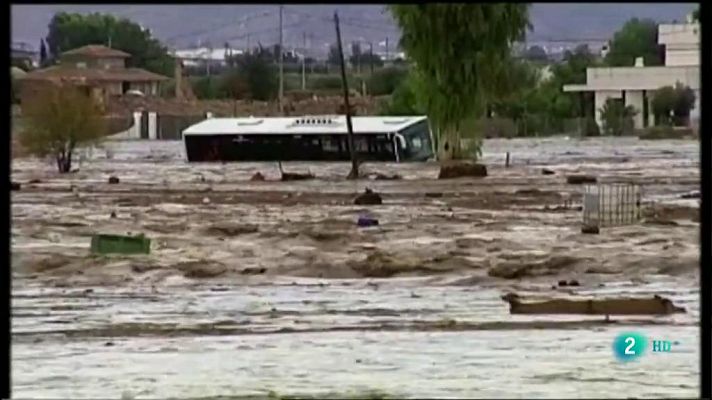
611 205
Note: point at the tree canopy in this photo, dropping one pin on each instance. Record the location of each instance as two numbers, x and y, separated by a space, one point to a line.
637 38
672 105
68 31
536 53
457 49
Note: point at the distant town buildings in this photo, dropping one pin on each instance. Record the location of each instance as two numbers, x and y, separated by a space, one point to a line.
636 85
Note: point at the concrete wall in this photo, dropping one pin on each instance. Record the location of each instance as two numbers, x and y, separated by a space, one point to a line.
642 78
674 34
111 63
682 57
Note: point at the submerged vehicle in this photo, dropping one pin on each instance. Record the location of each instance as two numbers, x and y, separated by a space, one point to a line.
312 138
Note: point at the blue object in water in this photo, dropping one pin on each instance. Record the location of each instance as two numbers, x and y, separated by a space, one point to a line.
367 221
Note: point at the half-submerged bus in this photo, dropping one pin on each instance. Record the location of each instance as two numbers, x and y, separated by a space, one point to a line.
389 139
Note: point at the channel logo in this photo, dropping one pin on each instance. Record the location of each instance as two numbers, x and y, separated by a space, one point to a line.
630 346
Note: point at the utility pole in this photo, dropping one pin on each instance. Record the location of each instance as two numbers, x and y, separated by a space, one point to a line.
281 62
370 52
304 57
352 149
387 52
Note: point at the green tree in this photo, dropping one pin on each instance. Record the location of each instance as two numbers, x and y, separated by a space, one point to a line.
684 103
637 38
68 31
386 80
58 121
536 53
457 49
696 14
259 75
662 105
404 100
672 105
617 117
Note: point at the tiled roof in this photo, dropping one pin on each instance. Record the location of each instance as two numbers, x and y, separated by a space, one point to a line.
96 50
94 74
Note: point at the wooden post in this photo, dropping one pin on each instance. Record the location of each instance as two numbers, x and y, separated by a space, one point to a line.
352 149
506 161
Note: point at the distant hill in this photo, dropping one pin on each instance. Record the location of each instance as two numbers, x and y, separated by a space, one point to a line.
240 25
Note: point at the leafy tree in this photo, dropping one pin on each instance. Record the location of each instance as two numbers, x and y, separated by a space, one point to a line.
617 117
536 53
404 100
684 103
672 105
260 77
637 38
209 87
457 48
385 81
662 105
68 31
696 14
58 121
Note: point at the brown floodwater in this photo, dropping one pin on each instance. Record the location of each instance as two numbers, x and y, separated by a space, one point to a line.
269 288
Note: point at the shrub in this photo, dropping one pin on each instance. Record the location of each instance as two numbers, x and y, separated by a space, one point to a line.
672 105
617 118
208 88
332 82
256 74
385 81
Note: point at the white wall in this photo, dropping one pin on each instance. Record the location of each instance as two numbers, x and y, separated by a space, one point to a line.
642 78
680 57
134 132
674 34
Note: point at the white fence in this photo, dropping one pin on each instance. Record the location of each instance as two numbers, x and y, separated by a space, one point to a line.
611 205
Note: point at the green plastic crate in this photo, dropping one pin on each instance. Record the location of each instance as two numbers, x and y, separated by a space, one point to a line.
118 244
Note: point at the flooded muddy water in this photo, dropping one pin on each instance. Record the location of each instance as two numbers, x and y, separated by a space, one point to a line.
268 289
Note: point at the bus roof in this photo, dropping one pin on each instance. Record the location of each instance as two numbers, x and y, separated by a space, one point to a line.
301 125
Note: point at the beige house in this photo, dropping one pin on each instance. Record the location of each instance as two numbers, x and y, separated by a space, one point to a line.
636 85
100 69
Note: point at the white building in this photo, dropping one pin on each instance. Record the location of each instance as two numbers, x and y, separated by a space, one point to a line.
637 84
203 55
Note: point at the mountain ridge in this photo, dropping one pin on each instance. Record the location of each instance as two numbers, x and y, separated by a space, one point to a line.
312 26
